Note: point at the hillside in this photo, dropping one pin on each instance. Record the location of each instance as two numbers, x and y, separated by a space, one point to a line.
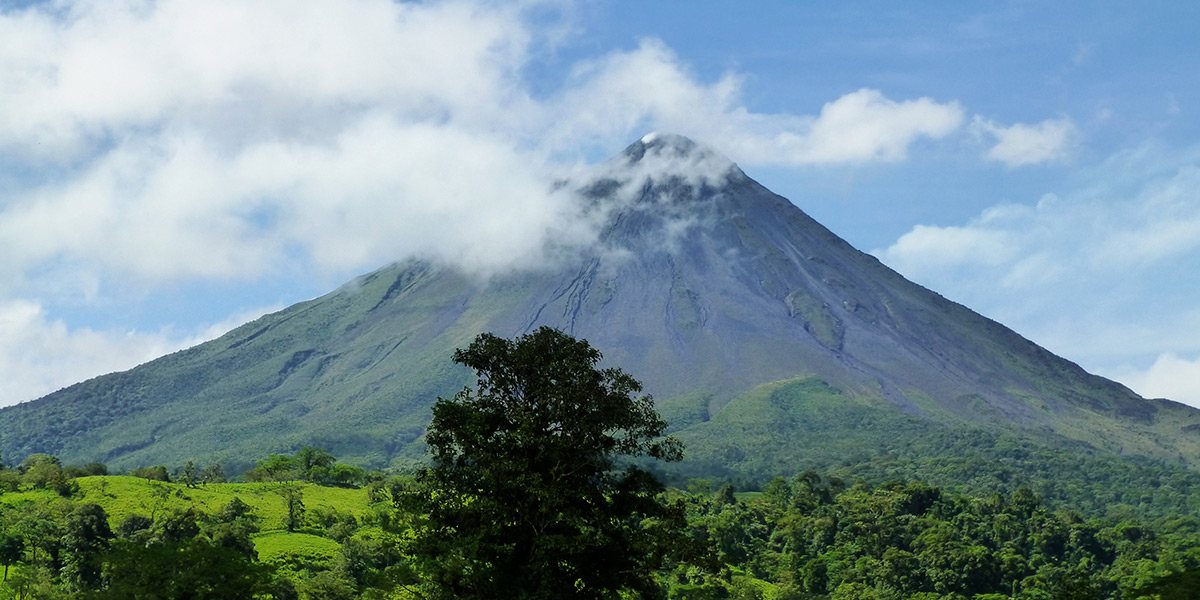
765 339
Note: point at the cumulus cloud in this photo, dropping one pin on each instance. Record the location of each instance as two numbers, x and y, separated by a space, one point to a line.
157 143
79 73
648 88
1071 271
939 248
865 126
1171 376
1022 144
182 140
40 354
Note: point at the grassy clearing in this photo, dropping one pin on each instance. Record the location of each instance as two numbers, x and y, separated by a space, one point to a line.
290 553
122 496
293 553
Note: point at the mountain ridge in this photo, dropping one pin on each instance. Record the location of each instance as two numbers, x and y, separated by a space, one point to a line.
700 282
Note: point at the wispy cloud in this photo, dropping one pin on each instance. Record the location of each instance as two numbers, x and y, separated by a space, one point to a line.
648 87
1171 376
163 143
175 140
863 126
1082 261
1023 144
39 354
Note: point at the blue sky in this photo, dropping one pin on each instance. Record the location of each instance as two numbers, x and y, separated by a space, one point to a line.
170 169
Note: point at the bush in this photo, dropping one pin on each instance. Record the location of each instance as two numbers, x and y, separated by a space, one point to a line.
156 473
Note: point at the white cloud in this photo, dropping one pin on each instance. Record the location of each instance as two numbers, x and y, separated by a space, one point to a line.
865 126
1163 223
223 139
152 143
1170 376
936 248
649 88
1022 144
79 73
1097 274
40 354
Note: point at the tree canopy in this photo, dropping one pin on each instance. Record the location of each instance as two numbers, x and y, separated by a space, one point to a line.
525 497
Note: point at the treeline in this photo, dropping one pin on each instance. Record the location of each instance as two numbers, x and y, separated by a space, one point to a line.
973 462
41 471
59 549
57 540
311 464
810 537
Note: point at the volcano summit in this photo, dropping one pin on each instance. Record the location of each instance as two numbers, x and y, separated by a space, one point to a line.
765 339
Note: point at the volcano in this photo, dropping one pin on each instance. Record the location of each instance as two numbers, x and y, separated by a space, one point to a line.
767 341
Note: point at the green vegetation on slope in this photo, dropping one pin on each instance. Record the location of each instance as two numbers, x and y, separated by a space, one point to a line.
806 424
523 467
808 537
811 537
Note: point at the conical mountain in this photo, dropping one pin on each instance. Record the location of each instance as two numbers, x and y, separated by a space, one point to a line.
762 335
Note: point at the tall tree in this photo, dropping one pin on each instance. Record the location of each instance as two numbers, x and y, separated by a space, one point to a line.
213 474
87 535
293 502
525 498
11 547
193 569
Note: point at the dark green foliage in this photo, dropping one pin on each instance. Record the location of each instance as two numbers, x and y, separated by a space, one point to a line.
525 498
182 554
1177 586
277 467
11 548
89 470
326 586
806 424
808 537
41 471
194 569
95 468
136 528
188 475
86 536
156 473
308 464
10 480
175 527
52 547
234 510
233 526
314 462
344 475
911 540
213 474
374 563
293 500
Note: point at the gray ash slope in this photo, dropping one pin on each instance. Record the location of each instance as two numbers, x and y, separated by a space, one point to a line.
703 284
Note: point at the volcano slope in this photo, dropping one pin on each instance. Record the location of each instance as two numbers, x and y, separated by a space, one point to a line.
770 344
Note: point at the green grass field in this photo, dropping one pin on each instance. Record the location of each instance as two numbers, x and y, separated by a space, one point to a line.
290 553
121 496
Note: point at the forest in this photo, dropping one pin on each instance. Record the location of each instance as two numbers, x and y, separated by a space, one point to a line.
538 487
294 533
